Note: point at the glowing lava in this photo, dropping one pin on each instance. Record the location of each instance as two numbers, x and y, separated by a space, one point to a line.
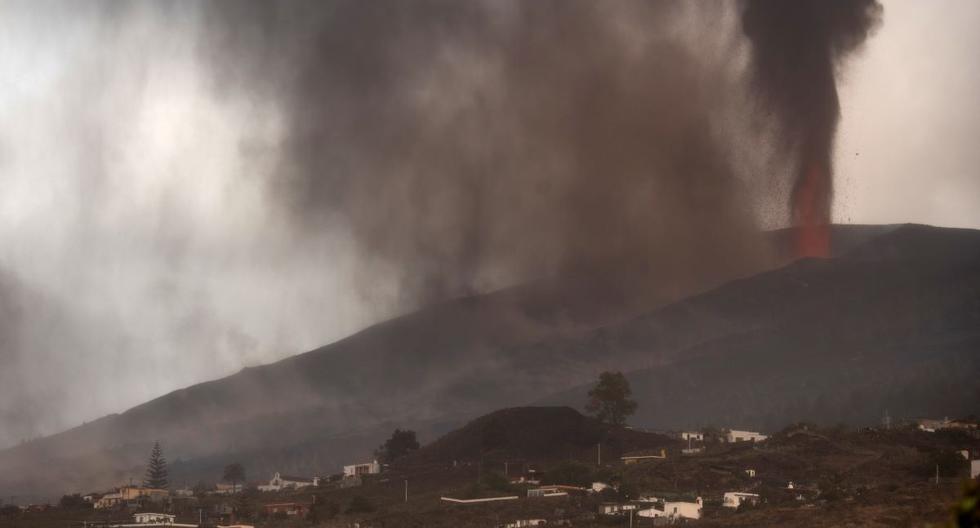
811 212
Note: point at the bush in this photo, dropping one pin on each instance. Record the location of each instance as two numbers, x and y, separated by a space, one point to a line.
73 502
360 504
570 474
322 509
492 480
951 464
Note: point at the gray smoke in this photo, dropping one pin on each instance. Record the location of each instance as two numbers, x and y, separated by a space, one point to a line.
192 187
467 145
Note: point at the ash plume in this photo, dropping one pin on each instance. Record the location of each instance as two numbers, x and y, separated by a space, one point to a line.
466 145
797 48
194 187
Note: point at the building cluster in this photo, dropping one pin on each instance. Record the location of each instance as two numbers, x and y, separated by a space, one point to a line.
652 508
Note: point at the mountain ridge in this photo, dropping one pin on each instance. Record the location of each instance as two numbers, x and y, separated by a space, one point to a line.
442 365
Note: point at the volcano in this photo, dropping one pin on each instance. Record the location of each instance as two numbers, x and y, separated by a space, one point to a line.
890 322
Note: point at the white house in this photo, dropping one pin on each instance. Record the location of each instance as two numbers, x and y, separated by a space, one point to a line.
356 470
651 513
734 499
684 510
675 510
109 500
522 523
750 472
695 436
612 508
154 518
734 435
974 468
281 482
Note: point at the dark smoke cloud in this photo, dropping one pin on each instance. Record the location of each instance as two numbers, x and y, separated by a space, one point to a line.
472 144
192 187
797 48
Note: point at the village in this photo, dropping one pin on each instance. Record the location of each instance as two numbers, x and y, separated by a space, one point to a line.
498 471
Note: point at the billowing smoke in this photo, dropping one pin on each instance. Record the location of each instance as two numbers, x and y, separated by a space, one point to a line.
797 48
191 187
468 145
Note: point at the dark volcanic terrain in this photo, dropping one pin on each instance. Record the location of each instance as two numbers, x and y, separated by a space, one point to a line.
892 322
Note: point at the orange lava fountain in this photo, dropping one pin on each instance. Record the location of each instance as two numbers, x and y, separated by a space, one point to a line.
811 213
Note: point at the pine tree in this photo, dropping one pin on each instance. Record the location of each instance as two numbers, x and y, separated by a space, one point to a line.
156 469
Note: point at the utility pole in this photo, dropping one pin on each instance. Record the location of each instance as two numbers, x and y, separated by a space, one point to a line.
631 518
937 474
598 455
406 490
506 473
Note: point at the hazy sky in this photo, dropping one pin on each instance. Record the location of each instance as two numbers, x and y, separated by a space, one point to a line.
138 253
907 145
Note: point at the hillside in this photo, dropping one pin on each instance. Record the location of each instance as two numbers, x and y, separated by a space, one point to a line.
884 477
541 434
894 326
889 323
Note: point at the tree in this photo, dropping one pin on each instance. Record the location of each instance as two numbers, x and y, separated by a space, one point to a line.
234 473
156 469
201 489
73 502
610 399
244 506
400 444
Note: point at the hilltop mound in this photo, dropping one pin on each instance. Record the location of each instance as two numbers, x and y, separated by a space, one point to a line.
538 434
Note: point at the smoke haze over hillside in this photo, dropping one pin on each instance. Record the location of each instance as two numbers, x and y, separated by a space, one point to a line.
194 187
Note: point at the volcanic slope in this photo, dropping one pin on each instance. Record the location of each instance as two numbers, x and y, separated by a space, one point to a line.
893 326
894 320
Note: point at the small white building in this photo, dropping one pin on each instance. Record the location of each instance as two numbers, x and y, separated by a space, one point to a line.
109 500
651 513
356 470
734 499
599 486
931 426
695 436
750 472
223 488
735 435
154 518
613 508
280 482
974 468
684 510
522 523
675 510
